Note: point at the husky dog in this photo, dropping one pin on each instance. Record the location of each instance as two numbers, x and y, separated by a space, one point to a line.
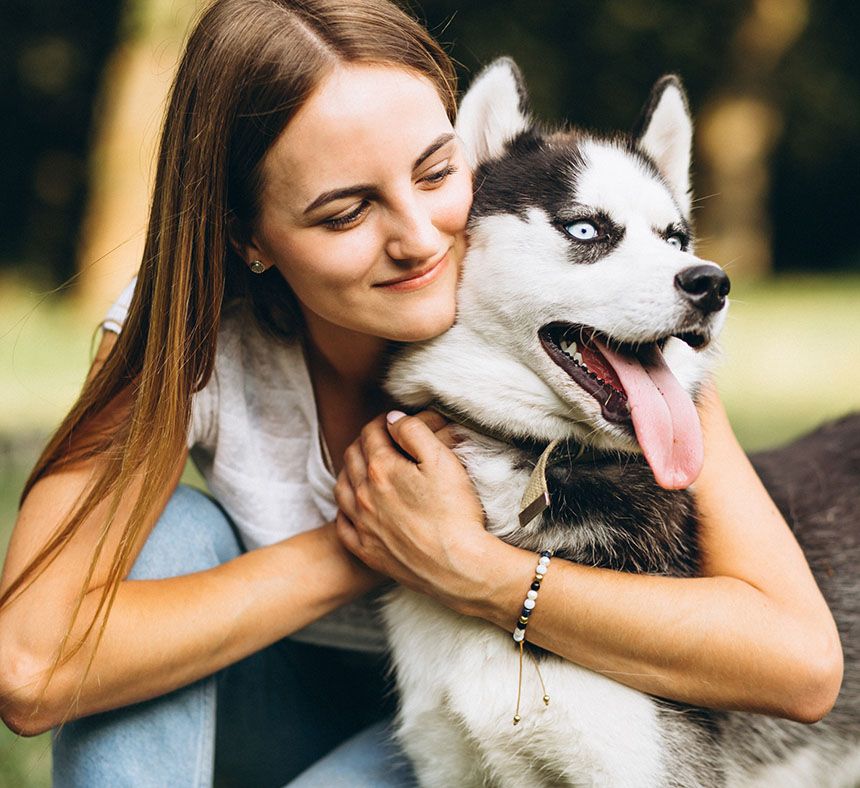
583 315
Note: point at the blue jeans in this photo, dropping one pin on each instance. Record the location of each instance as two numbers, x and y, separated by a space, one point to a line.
292 714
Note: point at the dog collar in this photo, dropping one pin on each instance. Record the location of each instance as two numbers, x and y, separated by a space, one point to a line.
535 499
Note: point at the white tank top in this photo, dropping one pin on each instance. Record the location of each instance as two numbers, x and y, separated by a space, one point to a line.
255 438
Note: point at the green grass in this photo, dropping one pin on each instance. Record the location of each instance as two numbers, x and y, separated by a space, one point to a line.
24 763
792 360
45 349
792 356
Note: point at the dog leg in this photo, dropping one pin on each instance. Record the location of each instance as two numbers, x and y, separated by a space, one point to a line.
442 752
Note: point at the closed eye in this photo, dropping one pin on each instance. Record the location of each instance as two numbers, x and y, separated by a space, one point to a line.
440 175
340 222
346 220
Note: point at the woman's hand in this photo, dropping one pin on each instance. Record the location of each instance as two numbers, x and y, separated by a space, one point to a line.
414 514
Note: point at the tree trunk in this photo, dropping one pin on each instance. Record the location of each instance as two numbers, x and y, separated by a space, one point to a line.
738 130
122 160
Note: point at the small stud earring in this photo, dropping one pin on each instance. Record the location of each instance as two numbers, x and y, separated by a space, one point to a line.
257 266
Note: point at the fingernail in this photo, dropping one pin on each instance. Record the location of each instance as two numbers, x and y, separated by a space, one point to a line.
394 415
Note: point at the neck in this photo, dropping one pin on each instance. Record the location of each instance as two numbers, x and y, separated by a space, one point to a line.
345 358
345 368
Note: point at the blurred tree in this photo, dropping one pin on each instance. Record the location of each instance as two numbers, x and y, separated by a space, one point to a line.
51 56
132 98
775 85
739 126
816 167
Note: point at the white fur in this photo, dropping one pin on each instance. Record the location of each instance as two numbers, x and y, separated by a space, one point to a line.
488 117
457 676
629 295
668 140
458 681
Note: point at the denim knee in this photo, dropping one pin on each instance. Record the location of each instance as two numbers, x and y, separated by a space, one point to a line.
169 740
192 534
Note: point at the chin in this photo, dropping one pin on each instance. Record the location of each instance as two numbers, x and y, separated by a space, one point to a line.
423 327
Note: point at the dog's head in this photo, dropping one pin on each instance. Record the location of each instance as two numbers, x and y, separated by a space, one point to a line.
582 310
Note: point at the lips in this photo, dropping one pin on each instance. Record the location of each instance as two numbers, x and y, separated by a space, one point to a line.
419 278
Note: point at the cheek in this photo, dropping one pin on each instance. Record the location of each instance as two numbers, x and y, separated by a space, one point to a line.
452 212
323 262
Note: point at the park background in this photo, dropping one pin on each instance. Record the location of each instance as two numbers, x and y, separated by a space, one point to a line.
774 86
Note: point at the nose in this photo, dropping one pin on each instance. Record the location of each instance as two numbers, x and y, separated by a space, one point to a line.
412 235
704 286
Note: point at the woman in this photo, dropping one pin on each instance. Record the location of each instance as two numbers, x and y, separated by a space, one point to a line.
310 208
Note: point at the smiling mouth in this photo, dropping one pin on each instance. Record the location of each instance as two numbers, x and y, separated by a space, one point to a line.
414 278
576 349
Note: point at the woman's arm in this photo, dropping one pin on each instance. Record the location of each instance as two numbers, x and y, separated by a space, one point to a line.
753 634
164 634
161 634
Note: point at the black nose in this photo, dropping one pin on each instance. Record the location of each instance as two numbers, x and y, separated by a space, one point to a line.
705 286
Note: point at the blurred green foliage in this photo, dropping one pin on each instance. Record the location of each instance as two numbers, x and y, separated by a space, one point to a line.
589 61
24 763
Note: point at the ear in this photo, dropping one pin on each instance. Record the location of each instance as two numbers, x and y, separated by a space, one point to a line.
493 111
665 133
241 242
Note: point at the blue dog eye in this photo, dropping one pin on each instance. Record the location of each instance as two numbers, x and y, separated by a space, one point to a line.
676 241
582 231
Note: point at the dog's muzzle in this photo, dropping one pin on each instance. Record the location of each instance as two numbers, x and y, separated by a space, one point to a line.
704 286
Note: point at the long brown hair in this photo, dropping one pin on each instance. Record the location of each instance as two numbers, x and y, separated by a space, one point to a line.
248 66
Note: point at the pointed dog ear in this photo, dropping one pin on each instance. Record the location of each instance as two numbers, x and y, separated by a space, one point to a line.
664 132
493 111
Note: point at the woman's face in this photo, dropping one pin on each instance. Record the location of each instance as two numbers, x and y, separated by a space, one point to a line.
364 206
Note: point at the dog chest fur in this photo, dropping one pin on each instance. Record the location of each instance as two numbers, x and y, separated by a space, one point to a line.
458 705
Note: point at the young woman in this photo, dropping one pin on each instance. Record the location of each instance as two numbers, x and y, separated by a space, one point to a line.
310 208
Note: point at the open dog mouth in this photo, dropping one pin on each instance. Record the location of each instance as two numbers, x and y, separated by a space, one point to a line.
635 388
573 349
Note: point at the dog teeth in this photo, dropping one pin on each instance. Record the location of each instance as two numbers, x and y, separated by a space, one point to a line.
569 349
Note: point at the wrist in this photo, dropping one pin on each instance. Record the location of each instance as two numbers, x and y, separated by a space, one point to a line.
500 575
357 578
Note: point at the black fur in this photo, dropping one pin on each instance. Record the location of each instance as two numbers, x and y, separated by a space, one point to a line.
607 510
540 171
620 495
617 517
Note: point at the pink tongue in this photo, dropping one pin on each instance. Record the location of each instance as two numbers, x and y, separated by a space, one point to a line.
664 418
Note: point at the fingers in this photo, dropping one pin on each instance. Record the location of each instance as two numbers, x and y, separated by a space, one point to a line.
381 442
449 435
432 418
347 533
376 437
344 495
355 463
446 431
415 435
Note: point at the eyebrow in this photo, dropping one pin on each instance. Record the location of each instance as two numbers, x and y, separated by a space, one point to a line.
441 140
364 189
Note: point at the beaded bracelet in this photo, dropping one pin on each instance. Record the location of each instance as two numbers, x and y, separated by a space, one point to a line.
531 597
519 634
